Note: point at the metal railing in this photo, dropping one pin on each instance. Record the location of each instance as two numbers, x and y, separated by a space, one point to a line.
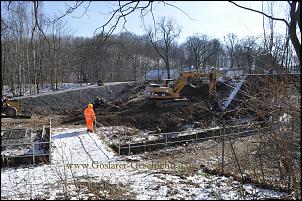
31 149
127 144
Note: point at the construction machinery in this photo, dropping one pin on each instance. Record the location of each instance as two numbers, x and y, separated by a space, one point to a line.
100 82
13 109
168 93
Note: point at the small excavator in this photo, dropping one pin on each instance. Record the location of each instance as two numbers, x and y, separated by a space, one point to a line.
168 93
13 109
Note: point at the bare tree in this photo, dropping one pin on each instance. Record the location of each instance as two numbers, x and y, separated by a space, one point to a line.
231 40
274 101
246 52
162 39
294 12
213 52
196 47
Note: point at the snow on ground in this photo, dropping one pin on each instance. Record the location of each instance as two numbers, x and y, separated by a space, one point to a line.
79 156
47 88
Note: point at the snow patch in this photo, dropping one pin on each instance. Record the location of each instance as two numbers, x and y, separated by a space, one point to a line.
31 89
73 157
285 118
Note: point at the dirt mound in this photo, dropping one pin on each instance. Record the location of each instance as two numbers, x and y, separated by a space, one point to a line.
191 90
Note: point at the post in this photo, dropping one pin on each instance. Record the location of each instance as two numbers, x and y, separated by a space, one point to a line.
166 139
238 130
119 146
222 154
33 153
129 145
288 181
48 137
50 141
49 123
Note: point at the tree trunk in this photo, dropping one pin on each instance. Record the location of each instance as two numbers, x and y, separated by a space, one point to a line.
292 29
168 69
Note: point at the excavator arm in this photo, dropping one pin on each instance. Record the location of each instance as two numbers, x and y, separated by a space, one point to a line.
170 92
182 80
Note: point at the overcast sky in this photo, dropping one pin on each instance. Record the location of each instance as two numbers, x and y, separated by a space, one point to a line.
215 19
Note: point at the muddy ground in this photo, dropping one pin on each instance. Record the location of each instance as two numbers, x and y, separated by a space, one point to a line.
132 110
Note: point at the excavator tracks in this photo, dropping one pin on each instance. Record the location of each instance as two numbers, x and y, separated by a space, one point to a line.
171 103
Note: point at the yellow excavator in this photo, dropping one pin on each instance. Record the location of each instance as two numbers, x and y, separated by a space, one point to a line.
13 109
168 93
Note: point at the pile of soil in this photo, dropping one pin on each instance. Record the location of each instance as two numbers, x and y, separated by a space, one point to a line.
132 110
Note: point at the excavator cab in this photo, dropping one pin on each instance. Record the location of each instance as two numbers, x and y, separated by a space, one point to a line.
167 83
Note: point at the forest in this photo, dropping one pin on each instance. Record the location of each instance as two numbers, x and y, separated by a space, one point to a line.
38 50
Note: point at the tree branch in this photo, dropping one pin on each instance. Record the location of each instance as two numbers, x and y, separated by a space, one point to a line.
36 6
268 16
69 11
179 10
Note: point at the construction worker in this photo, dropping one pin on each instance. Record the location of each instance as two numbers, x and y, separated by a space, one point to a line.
89 117
212 84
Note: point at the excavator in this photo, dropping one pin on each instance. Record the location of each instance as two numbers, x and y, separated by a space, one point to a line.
168 93
13 109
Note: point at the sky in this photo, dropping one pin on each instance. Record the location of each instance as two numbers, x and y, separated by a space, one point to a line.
214 18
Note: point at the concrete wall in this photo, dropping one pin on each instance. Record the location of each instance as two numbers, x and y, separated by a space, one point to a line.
58 102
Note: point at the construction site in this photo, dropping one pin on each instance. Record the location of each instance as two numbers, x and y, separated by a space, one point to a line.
241 132
152 100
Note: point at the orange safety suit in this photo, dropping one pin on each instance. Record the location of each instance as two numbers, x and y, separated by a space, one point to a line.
90 118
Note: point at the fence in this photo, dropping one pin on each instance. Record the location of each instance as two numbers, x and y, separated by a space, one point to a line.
267 153
24 146
152 141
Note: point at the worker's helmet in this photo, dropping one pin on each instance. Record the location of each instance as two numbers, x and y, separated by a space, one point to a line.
90 105
212 67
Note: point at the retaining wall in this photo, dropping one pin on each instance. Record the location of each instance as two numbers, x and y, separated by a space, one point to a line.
76 99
